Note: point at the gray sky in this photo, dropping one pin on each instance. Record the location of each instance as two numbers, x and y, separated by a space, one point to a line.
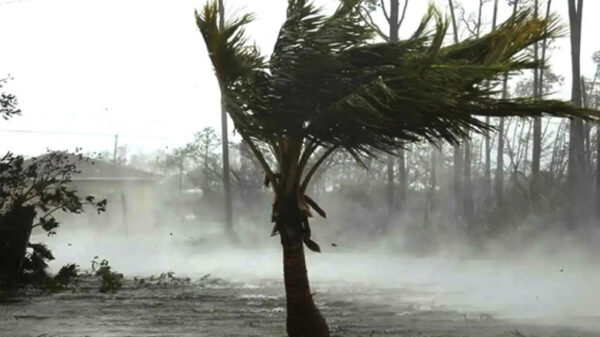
85 70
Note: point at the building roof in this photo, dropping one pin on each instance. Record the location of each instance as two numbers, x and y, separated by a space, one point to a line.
100 170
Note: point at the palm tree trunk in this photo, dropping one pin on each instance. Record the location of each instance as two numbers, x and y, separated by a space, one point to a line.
303 317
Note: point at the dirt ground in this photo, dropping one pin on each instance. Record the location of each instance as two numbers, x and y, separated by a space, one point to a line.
212 306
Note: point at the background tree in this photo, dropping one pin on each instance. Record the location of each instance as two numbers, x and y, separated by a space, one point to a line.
458 155
205 161
499 179
594 94
180 160
474 26
578 190
538 88
372 98
8 102
394 18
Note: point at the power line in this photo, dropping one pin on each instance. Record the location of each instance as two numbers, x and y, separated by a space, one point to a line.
10 2
85 134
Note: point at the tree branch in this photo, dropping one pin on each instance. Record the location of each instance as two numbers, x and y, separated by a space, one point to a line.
403 14
371 23
385 13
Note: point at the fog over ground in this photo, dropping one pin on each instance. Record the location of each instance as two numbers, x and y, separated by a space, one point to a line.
551 281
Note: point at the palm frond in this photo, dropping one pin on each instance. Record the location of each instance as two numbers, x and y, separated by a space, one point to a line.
231 56
328 82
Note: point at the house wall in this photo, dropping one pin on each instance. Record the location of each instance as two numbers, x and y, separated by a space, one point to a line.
131 204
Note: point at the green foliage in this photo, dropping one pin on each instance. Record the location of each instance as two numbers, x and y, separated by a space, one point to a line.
111 281
8 102
31 192
231 57
199 160
43 183
35 270
66 275
35 265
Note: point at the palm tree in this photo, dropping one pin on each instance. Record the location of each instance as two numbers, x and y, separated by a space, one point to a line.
329 87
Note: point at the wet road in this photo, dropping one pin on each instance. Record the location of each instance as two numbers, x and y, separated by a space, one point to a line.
216 307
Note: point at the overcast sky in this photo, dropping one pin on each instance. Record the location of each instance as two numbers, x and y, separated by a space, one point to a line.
85 70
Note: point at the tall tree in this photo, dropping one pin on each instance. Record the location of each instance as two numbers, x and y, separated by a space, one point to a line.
225 146
487 172
576 172
327 87
457 153
537 122
499 181
596 94
467 180
394 20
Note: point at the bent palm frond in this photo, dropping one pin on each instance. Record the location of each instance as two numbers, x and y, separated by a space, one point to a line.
328 82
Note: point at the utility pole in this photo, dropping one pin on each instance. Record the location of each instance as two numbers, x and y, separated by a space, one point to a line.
225 146
115 149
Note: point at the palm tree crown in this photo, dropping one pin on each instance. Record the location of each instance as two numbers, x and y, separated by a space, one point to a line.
329 85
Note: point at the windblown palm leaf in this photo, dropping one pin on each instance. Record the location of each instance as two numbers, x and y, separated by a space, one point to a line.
328 82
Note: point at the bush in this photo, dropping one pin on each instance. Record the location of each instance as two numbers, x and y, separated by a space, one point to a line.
111 281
